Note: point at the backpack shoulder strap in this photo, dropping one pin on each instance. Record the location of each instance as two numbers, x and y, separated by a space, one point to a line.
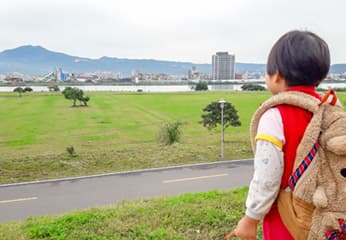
294 98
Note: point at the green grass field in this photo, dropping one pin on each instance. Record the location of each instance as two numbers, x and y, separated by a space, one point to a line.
116 132
197 216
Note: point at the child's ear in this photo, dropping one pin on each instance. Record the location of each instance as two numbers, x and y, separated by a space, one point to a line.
279 79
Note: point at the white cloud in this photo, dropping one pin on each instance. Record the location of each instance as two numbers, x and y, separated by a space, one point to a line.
186 30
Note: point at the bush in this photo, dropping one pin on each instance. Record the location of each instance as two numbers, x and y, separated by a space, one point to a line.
252 87
340 89
71 151
170 133
201 86
28 89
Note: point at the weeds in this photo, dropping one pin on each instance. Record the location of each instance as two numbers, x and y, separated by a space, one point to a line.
71 151
170 133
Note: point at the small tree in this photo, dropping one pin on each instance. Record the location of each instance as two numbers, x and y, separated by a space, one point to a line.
72 94
213 115
201 86
170 133
252 87
19 90
75 94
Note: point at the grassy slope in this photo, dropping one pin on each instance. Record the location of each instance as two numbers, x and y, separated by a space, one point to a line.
189 216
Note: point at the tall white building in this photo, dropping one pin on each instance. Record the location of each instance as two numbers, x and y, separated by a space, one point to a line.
223 66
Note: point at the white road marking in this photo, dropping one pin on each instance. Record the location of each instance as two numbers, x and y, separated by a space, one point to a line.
194 178
18 200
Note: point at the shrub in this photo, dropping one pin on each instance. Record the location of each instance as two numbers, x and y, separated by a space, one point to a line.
71 151
170 133
340 89
201 86
252 87
28 89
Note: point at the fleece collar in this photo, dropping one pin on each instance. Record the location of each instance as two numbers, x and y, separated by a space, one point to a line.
305 89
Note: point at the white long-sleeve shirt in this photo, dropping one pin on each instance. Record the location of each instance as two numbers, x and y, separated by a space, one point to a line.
269 165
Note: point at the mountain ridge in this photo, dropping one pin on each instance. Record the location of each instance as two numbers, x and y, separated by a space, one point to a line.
29 59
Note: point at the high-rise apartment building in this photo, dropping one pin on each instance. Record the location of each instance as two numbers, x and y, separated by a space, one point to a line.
223 66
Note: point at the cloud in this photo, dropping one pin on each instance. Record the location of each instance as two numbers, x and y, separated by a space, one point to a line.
182 30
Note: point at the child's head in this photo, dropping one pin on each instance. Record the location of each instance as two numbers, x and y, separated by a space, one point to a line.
300 57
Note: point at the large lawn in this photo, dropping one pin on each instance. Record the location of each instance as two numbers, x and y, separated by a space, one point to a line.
116 132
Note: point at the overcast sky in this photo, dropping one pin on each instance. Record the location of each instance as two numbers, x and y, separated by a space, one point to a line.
179 30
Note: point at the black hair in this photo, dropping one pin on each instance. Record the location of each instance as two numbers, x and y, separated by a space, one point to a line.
301 57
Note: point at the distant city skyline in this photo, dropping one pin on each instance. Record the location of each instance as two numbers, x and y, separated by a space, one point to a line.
187 31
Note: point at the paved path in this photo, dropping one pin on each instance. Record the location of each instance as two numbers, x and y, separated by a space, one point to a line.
54 197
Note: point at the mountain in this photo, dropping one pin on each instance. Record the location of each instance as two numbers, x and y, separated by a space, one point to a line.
32 60
338 68
38 60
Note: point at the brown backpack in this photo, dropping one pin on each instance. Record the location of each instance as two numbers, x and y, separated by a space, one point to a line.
314 204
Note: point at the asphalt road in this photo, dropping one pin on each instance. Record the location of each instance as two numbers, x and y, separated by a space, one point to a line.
58 196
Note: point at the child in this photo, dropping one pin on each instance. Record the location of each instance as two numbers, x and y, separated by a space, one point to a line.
298 61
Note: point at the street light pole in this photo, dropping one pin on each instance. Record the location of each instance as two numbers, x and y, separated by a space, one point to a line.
222 105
